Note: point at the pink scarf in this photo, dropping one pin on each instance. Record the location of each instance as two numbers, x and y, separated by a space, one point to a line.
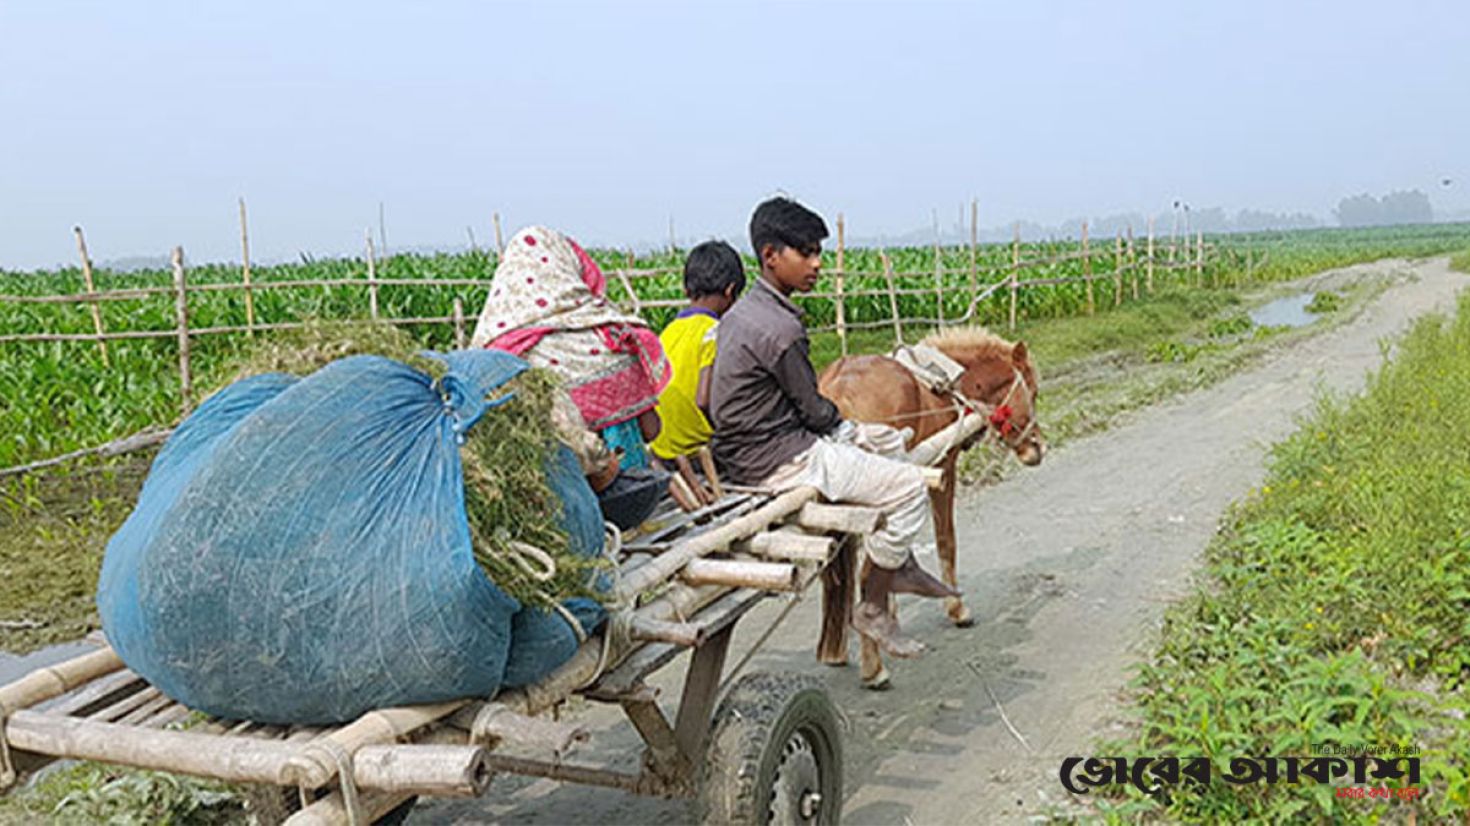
548 305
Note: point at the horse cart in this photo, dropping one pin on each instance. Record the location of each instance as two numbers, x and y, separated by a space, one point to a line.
752 747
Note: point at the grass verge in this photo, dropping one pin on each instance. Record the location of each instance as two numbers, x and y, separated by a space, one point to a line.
1333 608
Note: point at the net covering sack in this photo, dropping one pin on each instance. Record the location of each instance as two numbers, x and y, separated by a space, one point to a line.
300 551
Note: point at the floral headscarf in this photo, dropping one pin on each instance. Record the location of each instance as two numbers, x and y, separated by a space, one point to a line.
548 304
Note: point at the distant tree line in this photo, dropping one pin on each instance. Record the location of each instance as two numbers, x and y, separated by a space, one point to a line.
1407 207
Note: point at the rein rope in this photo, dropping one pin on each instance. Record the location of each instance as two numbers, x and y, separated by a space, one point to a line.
960 404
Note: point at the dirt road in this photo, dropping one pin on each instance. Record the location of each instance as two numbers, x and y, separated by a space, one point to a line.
1068 568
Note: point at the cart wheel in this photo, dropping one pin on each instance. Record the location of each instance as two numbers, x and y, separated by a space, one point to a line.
272 805
775 755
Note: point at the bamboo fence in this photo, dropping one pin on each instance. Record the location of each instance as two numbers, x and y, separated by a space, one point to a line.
975 282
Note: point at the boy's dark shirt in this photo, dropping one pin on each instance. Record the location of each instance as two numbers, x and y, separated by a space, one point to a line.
764 403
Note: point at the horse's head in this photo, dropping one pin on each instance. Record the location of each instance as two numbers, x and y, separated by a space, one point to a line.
1000 375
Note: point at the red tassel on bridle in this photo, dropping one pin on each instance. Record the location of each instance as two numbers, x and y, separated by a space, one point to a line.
1000 419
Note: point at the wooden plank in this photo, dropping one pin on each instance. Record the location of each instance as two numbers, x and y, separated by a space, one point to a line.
701 687
627 676
668 759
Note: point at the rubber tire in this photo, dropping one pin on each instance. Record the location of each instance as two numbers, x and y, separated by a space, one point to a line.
750 730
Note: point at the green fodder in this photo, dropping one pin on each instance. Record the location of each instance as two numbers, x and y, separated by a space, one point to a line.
87 793
1335 607
508 498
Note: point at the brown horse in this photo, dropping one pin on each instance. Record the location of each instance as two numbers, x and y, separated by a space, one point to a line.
998 374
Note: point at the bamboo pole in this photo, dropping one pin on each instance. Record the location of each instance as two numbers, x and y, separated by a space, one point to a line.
437 769
245 273
1118 269
372 278
499 239
232 759
53 681
855 519
181 316
1087 269
789 545
938 276
937 446
974 243
628 285
1015 269
838 283
92 288
315 764
742 573
458 323
1133 262
382 231
1150 256
892 297
711 474
1199 258
670 562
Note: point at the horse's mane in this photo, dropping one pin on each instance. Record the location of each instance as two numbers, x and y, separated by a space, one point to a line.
972 345
969 344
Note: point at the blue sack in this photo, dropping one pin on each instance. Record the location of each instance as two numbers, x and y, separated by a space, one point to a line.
300 552
542 639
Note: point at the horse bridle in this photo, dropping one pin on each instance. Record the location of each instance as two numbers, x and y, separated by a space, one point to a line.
1000 416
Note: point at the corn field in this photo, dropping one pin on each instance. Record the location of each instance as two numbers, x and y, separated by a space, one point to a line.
61 395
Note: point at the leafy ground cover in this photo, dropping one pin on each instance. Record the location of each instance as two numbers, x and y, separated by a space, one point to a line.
1333 607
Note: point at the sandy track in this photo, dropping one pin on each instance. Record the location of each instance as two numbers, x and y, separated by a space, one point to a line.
1068 568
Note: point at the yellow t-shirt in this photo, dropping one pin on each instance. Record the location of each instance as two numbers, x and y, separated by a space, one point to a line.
689 344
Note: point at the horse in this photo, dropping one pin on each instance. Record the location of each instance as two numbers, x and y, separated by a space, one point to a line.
877 389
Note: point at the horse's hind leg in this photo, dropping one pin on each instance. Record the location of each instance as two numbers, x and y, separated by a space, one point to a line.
942 502
870 657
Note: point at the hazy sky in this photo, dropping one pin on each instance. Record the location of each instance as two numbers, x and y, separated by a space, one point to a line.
145 121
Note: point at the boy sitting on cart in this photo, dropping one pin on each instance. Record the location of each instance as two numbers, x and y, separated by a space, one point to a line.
773 429
714 277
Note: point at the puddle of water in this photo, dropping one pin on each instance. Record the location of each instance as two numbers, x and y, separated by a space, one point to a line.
1290 311
13 666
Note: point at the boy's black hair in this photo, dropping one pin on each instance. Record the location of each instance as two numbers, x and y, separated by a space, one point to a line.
711 268
782 222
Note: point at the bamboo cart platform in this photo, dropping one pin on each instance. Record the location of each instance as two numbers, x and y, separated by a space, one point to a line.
684 580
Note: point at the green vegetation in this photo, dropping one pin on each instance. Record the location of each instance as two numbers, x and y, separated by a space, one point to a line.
58 396
1334 607
1324 302
53 526
97 793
